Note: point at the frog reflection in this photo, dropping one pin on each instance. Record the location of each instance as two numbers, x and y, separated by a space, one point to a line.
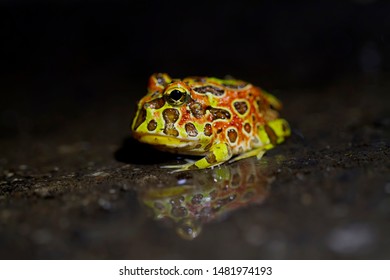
207 196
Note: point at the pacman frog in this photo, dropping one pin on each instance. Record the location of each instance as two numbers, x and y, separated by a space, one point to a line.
224 120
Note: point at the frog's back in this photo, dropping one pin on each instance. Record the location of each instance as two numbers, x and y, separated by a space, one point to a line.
239 111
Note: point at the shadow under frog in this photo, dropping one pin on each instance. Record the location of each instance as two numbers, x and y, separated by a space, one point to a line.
207 196
131 149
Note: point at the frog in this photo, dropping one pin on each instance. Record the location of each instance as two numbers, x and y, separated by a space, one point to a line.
221 120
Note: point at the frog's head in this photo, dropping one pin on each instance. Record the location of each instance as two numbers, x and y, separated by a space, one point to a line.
171 116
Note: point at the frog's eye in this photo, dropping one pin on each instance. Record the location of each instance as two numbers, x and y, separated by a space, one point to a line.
176 96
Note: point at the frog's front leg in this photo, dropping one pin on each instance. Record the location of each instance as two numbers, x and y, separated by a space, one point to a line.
218 153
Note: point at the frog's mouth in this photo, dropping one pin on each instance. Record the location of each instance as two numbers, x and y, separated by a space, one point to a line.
165 142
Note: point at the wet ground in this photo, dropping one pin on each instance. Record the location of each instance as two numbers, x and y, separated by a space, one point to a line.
74 185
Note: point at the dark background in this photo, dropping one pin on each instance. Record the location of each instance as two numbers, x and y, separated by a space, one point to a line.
306 43
71 73
58 56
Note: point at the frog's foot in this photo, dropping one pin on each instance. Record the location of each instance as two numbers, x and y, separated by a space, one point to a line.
218 154
258 152
273 133
180 167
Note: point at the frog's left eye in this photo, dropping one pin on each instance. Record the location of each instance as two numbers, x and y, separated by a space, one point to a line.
176 96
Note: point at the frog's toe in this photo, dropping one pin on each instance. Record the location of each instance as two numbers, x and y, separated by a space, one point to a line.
179 167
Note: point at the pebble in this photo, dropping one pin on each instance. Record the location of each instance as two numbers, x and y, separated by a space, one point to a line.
351 239
8 174
112 191
105 204
23 167
44 192
99 174
181 181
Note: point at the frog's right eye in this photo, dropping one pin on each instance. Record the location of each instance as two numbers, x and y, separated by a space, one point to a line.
176 96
